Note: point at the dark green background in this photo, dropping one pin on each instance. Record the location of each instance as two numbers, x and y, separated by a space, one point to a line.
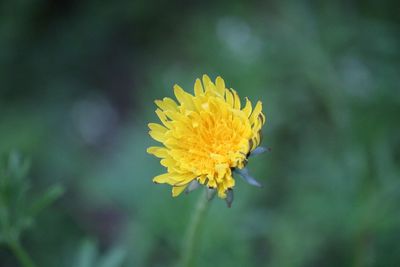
77 84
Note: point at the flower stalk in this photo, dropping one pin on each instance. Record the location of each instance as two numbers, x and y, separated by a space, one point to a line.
191 241
20 253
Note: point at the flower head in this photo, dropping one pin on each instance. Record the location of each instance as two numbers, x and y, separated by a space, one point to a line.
205 136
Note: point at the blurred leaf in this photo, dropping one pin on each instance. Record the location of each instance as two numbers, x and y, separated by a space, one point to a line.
15 213
47 198
113 258
3 215
18 166
87 254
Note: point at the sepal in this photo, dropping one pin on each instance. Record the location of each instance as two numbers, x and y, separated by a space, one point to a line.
259 150
229 197
193 185
244 173
211 193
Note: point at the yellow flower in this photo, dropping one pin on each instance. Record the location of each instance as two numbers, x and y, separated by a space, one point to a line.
205 136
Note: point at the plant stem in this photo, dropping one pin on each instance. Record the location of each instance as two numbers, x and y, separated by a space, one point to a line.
22 256
193 231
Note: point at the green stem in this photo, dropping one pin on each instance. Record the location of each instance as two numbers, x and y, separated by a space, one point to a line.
22 256
193 231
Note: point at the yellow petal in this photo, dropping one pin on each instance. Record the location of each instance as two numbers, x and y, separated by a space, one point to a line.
168 162
208 84
158 136
157 127
184 179
202 179
237 99
262 118
167 104
220 85
159 152
230 182
162 117
198 88
177 190
179 93
176 116
166 178
221 169
229 98
256 112
247 108
184 98
211 183
221 191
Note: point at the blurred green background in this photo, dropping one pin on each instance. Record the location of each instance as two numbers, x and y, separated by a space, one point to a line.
77 84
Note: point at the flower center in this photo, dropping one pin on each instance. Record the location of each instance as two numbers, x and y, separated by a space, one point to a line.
217 141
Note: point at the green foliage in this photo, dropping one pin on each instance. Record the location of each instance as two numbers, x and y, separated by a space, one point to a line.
17 209
14 215
88 256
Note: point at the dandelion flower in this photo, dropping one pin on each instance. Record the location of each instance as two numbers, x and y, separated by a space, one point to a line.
205 137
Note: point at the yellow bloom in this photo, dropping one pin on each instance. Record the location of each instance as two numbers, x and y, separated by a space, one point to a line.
205 136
